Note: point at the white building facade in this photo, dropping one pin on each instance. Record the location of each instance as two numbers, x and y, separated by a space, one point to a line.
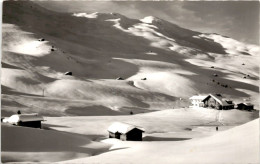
196 101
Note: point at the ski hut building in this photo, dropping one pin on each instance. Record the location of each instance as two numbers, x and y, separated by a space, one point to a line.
28 120
216 101
196 101
125 132
245 106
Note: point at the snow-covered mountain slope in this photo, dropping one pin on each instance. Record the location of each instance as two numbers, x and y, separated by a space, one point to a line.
99 47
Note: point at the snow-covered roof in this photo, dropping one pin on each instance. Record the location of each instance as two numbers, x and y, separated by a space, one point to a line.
247 104
122 128
219 99
198 97
24 118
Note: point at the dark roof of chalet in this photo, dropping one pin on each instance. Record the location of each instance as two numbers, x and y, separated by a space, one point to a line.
122 128
219 99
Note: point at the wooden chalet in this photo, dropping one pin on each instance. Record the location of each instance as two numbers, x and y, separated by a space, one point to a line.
216 101
125 132
28 120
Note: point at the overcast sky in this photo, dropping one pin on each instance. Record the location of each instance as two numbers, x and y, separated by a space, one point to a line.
236 19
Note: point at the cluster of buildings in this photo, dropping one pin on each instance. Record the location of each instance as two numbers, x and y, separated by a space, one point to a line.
128 132
217 101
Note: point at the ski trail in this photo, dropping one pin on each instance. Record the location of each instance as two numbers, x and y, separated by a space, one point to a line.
219 117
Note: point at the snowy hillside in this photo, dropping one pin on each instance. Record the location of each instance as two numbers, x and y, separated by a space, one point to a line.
224 147
83 71
99 47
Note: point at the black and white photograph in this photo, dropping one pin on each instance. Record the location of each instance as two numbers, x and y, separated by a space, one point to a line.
130 82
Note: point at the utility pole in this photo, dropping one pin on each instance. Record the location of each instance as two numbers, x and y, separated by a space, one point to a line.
42 92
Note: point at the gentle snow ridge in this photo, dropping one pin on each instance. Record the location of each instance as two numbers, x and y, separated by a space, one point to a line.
117 24
92 15
149 32
232 46
148 19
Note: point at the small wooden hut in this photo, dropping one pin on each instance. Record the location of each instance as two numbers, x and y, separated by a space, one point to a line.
245 106
28 120
125 132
